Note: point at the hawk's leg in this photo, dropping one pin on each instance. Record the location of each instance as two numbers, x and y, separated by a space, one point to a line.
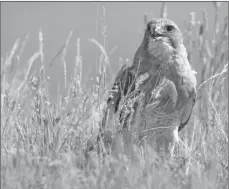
166 141
175 140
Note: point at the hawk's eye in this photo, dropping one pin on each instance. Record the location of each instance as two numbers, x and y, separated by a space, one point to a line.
169 28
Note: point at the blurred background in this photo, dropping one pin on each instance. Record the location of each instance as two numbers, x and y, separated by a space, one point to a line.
123 23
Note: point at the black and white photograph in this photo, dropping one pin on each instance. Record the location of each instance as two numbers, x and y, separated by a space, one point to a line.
114 95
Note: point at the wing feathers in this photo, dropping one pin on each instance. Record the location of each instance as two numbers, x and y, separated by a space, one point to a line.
122 85
187 112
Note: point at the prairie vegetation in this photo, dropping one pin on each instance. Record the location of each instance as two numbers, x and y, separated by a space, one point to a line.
43 141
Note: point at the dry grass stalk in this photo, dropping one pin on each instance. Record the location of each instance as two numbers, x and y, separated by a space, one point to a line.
164 13
64 55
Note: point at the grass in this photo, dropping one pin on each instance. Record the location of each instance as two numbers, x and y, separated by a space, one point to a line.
43 141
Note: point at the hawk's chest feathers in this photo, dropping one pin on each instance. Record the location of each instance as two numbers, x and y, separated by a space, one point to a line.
172 81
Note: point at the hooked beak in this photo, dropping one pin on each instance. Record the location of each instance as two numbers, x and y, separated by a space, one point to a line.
155 33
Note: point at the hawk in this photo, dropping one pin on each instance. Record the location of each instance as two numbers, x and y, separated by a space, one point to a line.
153 99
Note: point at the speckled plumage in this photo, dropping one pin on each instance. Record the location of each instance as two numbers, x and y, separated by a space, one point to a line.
154 97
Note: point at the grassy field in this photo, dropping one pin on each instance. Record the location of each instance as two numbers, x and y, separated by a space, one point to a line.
43 141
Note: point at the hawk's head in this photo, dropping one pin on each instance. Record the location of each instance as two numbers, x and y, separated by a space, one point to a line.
163 38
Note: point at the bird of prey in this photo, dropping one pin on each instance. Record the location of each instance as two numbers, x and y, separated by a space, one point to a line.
153 99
